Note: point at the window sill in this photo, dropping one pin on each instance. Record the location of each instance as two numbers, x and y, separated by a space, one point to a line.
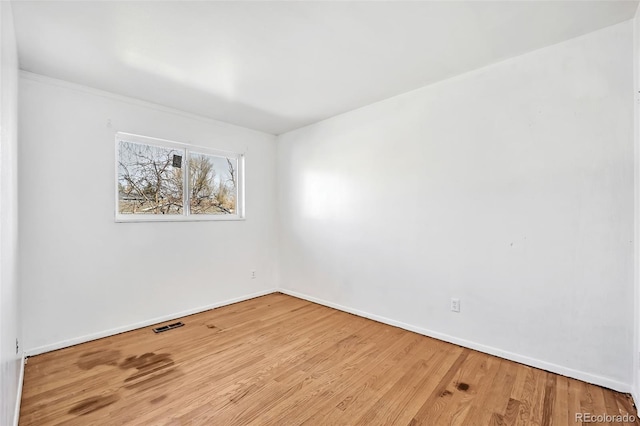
168 218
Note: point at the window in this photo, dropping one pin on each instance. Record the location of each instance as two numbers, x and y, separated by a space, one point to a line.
159 180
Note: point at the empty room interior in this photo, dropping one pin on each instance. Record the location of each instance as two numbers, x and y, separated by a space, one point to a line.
319 212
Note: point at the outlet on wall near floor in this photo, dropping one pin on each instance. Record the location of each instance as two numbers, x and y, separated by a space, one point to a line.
253 275
455 304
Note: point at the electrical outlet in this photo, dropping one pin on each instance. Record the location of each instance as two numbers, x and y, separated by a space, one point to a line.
17 347
455 304
253 275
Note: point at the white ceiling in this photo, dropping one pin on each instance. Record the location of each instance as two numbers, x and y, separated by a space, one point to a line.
277 66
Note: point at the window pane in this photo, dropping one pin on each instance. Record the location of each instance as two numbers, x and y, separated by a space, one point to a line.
149 179
212 184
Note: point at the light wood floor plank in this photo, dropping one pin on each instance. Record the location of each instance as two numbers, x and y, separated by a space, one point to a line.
279 360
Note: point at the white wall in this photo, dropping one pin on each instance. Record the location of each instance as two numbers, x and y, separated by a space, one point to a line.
10 324
83 275
636 179
510 187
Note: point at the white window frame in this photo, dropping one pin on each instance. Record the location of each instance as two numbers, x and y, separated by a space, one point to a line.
186 215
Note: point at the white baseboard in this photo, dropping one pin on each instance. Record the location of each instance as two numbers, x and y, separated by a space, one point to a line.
106 333
533 362
16 411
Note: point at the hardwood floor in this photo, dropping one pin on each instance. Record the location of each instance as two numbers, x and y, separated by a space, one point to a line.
281 360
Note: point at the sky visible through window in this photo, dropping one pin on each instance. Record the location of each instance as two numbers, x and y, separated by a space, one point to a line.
150 181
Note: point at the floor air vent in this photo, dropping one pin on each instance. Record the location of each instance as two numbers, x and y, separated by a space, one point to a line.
168 327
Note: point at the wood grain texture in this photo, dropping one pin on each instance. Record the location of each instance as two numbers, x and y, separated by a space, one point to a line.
278 360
